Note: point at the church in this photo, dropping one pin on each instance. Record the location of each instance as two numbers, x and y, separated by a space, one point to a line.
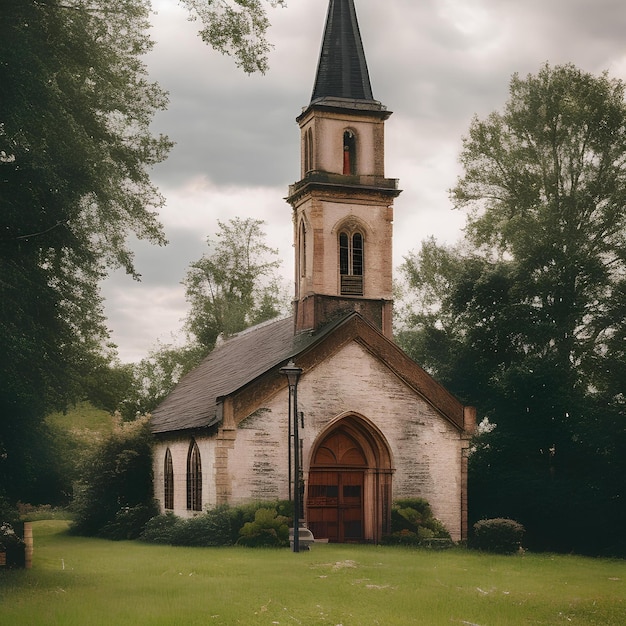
365 423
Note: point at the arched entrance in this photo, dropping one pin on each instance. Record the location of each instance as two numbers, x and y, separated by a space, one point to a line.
349 485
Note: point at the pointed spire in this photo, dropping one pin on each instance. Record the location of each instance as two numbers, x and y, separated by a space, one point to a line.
342 69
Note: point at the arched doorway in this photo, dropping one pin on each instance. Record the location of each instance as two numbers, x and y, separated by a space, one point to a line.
349 483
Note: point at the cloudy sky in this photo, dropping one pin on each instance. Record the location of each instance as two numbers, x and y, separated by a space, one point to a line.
434 63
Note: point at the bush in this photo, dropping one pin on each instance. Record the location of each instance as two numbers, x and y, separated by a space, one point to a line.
114 498
36 512
268 529
222 526
160 529
500 535
412 523
213 528
129 522
12 545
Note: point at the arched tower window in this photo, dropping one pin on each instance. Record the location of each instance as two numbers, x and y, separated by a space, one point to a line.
308 150
194 478
168 481
349 153
302 250
351 250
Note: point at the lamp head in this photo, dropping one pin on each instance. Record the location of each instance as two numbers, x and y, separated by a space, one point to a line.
292 373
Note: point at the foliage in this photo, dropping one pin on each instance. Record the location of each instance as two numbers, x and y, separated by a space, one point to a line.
219 526
8 537
75 154
237 28
235 285
503 536
412 523
268 530
213 528
160 529
152 379
9 514
527 317
114 497
32 513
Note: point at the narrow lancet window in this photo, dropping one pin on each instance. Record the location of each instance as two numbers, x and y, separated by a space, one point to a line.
168 481
194 478
302 250
308 150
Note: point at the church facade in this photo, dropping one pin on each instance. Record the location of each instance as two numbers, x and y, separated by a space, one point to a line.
373 426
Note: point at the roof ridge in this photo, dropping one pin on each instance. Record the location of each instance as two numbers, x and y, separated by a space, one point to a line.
255 327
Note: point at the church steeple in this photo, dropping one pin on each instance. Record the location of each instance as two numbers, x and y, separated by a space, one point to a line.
343 203
342 69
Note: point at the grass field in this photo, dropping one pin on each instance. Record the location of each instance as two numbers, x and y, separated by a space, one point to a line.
78 581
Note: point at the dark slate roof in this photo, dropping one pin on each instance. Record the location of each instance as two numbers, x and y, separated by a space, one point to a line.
342 69
231 365
244 358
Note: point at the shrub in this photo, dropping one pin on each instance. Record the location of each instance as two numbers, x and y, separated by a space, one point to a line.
129 522
412 523
12 545
161 529
35 512
213 528
500 535
268 529
116 479
222 526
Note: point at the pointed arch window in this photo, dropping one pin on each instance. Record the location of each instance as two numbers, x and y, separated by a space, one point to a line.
194 478
351 250
168 481
349 153
302 250
308 150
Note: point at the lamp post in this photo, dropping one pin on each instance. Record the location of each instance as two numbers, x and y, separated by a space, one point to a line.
293 375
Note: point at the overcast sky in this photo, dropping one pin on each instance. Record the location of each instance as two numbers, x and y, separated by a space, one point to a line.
434 63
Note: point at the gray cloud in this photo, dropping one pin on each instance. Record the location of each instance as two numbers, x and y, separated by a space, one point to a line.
434 63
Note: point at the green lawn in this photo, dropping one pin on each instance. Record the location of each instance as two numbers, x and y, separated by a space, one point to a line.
95 582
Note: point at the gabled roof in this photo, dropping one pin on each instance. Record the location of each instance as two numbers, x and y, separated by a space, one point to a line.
342 69
236 363
231 364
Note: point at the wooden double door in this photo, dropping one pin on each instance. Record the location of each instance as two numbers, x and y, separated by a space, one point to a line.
335 505
335 495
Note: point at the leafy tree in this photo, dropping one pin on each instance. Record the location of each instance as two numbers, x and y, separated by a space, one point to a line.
114 497
75 153
237 28
75 156
234 286
528 319
154 377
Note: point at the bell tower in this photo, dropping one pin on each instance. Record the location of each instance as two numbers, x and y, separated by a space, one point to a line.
343 204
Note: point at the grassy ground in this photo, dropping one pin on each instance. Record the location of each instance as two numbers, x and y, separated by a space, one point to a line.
95 582
83 421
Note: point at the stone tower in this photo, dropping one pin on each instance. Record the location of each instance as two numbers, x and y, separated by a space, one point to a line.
343 203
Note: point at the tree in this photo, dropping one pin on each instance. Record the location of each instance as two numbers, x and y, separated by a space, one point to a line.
75 157
75 154
154 377
237 28
235 285
531 322
115 494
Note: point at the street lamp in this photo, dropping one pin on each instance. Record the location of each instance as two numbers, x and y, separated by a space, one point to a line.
293 375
